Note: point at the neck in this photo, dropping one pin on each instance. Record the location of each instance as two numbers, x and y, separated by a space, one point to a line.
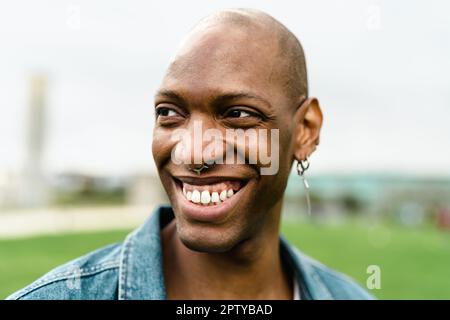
251 270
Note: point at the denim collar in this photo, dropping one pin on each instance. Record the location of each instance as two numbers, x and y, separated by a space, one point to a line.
141 271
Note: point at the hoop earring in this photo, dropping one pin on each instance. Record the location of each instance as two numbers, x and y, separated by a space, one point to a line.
302 166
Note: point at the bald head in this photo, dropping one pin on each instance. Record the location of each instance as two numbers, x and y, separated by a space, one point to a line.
252 30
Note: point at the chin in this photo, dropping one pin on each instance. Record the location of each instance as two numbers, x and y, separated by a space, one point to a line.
208 239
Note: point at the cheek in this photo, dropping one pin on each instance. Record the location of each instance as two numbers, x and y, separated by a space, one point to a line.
272 186
161 146
286 147
268 148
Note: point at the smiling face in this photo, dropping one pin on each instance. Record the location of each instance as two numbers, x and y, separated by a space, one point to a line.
225 78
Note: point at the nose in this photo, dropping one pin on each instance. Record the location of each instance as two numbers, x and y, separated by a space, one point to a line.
201 145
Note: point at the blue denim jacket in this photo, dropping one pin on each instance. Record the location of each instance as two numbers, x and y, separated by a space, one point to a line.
133 270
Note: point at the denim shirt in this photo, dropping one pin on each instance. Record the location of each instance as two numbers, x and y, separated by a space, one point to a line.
132 270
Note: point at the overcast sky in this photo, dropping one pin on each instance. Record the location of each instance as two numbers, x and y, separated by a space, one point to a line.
381 70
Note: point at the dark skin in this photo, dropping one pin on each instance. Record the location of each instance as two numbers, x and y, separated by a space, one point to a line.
227 80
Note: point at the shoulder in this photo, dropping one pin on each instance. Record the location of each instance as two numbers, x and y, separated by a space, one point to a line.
329 283
92 276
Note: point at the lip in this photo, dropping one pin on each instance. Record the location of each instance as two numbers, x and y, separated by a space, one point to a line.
206 180
202 213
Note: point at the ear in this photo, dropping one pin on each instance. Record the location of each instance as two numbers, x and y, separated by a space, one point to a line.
308 122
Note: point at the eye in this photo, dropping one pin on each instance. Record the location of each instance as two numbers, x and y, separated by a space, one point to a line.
242 113
166 112
238 114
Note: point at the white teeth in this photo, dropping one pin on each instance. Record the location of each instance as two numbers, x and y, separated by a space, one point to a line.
195 196
223 195
205 197
215 197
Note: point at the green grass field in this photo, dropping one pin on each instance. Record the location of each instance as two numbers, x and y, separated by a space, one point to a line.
415 264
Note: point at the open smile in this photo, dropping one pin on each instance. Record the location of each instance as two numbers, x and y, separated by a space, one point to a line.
208 199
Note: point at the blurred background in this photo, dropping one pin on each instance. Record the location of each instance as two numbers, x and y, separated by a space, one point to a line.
77 80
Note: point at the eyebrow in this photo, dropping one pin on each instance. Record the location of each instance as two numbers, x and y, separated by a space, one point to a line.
170 95
220 99
227 97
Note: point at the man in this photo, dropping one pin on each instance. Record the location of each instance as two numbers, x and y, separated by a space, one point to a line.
236 70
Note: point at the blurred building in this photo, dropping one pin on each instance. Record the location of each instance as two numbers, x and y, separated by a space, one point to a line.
146 190
408 200
34 190
28 188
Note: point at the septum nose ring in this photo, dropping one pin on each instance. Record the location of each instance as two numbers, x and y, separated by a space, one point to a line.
199 168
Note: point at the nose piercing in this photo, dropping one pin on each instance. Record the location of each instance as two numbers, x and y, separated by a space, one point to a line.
199 170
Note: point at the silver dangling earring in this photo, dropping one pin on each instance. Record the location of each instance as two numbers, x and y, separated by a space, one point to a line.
302 166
